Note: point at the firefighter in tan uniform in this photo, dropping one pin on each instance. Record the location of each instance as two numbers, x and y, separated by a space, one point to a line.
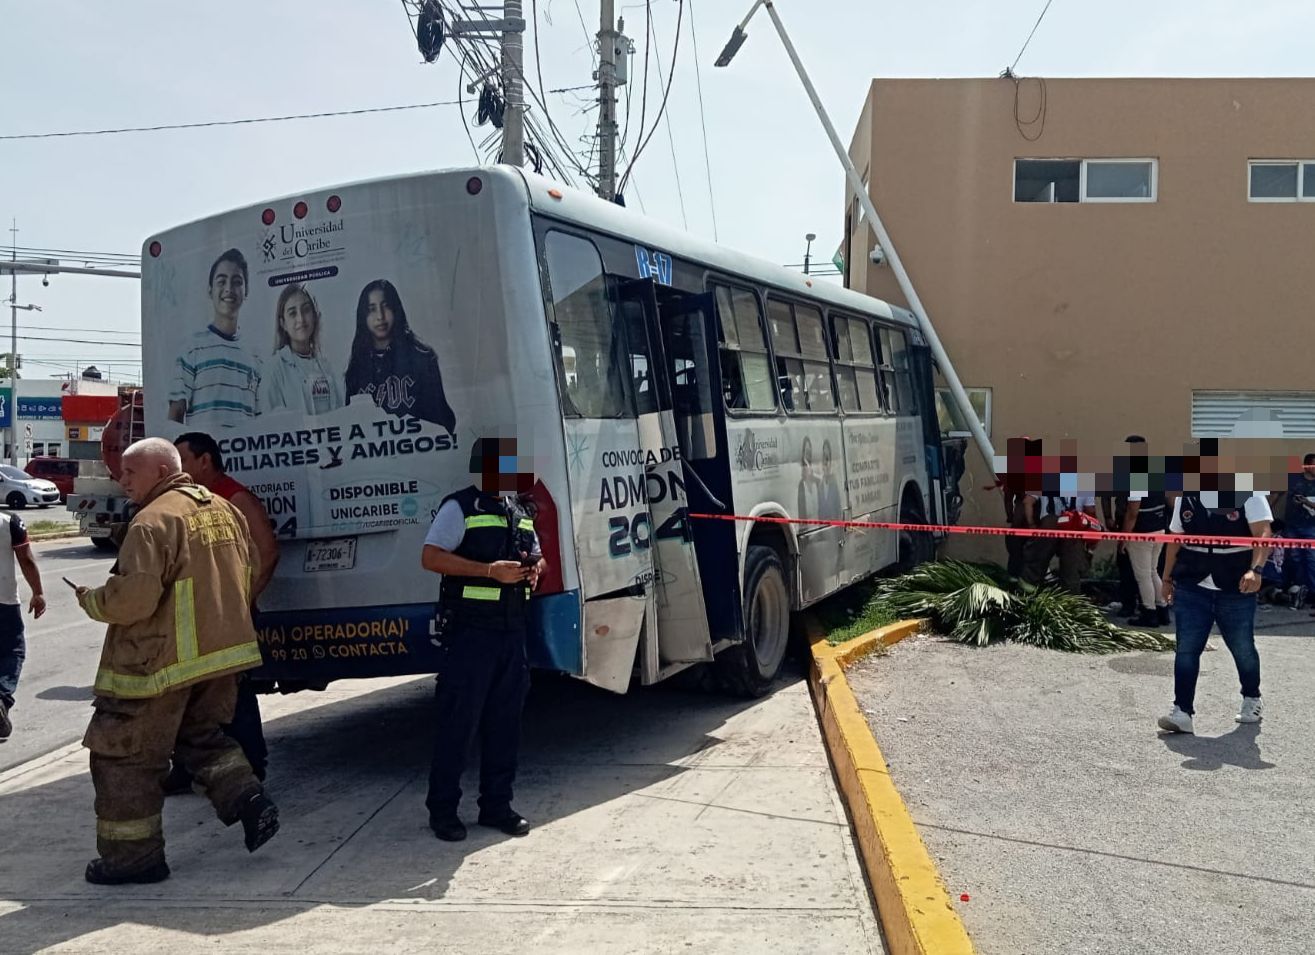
179 633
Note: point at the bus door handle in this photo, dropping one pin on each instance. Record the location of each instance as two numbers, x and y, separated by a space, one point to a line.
698 482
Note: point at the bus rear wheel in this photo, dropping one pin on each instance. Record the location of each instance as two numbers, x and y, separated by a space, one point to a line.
749 668
915 547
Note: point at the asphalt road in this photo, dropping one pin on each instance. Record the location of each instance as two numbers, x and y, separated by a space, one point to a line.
51 706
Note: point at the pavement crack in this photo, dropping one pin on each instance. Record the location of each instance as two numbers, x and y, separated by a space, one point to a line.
365 822
1205 870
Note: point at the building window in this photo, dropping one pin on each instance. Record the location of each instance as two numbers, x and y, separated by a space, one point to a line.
1283 180
1253 414
951 421
1085 180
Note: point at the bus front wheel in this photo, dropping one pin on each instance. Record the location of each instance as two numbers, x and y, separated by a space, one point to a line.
749 668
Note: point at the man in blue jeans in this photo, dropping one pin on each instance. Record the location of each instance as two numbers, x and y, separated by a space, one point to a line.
1299 520
14 546
1210 585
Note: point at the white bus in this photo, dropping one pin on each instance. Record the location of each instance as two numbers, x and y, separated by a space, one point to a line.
346 346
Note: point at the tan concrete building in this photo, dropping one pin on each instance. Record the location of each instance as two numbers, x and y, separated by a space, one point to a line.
1103 256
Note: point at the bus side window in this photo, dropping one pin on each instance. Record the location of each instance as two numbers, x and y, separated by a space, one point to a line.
896 343
590 350
639 358
856 374
803 370
746 370
817 365
893 372
691 389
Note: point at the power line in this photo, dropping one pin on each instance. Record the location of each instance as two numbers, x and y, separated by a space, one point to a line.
671 139
78 341
55 328
1010 71
703 120
229 122
107 258
666 93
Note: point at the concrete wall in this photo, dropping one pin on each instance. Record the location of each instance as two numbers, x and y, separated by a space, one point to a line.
1093 320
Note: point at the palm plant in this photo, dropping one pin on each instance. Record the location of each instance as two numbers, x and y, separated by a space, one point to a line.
980 604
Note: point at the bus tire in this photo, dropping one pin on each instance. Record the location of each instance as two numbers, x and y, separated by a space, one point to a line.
915 547
103 543
749 668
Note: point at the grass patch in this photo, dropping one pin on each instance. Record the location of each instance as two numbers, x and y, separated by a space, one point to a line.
853 612
49 527
979 604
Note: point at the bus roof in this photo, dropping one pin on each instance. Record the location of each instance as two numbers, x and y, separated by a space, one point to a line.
586 209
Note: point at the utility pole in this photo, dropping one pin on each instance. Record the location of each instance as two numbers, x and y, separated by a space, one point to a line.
607 127
510 32
13 348
513 84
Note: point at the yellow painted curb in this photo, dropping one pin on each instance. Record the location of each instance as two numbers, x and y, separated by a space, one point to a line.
912 902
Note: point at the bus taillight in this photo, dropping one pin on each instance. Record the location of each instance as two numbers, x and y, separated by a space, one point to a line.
334 204
300 210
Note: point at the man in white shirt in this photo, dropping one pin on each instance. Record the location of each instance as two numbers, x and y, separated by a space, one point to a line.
1210 585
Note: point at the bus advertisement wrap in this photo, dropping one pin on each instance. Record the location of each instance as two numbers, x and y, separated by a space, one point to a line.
346 349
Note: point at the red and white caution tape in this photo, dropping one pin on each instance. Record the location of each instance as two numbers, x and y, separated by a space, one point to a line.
977 531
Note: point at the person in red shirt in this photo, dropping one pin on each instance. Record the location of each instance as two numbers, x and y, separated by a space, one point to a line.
204 463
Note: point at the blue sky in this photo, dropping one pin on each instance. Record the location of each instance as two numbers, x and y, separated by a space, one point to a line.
88 65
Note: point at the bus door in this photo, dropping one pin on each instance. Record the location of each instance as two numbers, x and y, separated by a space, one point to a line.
673 436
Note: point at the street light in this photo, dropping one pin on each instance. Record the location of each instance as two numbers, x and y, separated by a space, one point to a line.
810 239
883 237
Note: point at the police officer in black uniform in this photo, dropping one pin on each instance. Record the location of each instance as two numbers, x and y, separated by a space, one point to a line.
483 543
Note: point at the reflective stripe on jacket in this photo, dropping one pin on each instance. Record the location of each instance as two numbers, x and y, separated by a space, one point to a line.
178 601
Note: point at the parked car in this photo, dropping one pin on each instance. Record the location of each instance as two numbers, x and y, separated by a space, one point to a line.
19 489
61 472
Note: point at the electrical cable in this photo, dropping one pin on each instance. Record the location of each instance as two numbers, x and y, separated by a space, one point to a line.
484 60
226 122
1039 120
109 258
671 141
645 140
1035 26
703 120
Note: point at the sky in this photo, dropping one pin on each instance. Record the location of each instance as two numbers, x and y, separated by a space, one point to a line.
85 64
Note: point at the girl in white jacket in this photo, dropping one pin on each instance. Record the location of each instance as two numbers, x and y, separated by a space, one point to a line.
298 377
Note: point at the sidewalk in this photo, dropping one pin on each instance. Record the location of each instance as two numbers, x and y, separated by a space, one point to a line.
1043 791
665 821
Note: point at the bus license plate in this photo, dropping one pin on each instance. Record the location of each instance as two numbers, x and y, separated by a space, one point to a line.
336 554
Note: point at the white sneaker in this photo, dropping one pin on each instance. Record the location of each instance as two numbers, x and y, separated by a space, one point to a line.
1250 712
1176 721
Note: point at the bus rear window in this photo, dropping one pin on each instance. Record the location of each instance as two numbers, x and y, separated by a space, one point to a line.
593 359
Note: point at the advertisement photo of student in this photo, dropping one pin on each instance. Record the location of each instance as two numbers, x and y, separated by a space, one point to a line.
217 377
389 363
298 376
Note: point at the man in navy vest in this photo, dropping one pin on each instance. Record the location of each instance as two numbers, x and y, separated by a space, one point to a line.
484 545
1215 584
